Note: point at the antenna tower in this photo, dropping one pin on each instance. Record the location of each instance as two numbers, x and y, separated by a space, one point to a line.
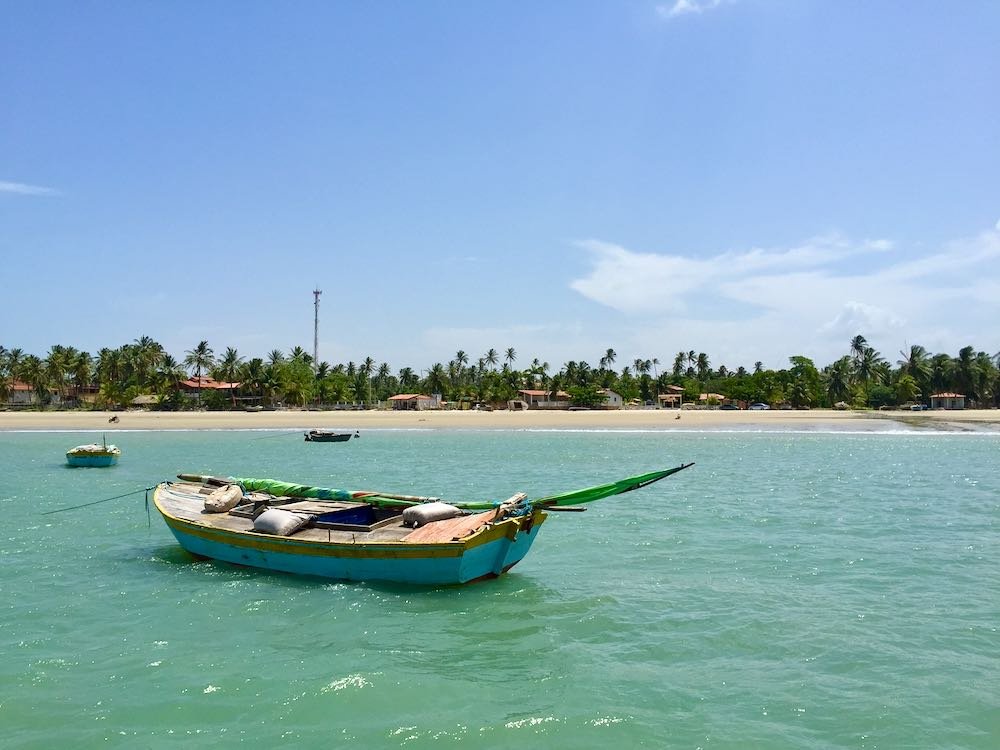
316 293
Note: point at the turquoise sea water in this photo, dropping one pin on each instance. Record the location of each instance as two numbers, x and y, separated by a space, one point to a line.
791 590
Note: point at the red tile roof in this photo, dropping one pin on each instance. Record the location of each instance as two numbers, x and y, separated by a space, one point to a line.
210 383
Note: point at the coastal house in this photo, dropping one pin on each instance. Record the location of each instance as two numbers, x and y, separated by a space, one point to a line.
673 398
21 394
537 399
711 398
612 400
948 401
413 402
205 383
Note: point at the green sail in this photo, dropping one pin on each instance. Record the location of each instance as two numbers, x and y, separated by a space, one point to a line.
588 495
290 489
576 497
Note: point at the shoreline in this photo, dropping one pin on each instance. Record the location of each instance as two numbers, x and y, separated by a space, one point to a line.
969 420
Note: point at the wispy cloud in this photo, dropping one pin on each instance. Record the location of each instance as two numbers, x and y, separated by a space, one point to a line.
687 7
807 299
19 188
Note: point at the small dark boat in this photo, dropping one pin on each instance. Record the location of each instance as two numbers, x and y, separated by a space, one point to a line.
327 436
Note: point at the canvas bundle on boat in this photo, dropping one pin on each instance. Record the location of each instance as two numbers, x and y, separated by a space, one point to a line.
224 499
418 515
279 522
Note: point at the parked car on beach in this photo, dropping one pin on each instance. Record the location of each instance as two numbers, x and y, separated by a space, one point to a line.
758 407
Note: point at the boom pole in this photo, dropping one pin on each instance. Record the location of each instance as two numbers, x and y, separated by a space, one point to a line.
316 293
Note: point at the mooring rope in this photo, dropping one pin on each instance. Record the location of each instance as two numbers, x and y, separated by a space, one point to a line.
105 500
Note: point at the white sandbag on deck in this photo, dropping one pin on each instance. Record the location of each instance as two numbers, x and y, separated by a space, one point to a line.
224 499
279 522
418 515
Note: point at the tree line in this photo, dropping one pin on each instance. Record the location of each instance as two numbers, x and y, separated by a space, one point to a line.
862 378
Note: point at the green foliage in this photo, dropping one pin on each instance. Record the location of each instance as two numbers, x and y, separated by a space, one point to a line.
861 377
881 395
585 395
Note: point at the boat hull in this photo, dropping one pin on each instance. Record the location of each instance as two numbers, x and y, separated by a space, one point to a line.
92 459
486 554
328 437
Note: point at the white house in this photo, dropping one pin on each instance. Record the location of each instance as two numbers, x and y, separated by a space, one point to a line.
948 401
612 400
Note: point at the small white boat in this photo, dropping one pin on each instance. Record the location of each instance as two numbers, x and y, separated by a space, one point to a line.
95 454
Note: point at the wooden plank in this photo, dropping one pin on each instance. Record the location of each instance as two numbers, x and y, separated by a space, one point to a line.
449 529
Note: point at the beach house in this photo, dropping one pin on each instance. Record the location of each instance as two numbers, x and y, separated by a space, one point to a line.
544 399
947 401
413 402
612 400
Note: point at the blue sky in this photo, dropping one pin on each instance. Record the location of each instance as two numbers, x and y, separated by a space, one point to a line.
753 179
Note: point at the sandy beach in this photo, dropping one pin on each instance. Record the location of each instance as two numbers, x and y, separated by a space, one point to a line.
637 419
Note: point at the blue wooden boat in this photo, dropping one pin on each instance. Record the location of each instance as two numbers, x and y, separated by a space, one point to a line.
361 535
93 455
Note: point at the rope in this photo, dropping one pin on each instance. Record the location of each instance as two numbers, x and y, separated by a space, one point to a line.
105 500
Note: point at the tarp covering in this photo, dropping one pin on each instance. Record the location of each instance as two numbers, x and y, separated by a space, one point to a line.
289 489
576 497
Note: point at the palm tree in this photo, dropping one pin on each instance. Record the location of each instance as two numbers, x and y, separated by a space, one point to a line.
254 376
56 364
868 368
492 357
34 372
838 380
407 378
916 364
82 371
704 367
436 378
14 359
608 359
942 367
298 354
986 379
229 370
275 357
147 354
679 361
382 375
510 356
858 346
366 369
965 375
200 358
168 376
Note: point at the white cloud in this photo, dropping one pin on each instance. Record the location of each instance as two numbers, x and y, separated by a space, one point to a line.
809 299
686 7
19 188
858 316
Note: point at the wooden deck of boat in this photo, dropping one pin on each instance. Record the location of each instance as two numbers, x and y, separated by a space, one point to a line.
186 501
450 529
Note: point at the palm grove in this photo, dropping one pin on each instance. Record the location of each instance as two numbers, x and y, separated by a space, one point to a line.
862 378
